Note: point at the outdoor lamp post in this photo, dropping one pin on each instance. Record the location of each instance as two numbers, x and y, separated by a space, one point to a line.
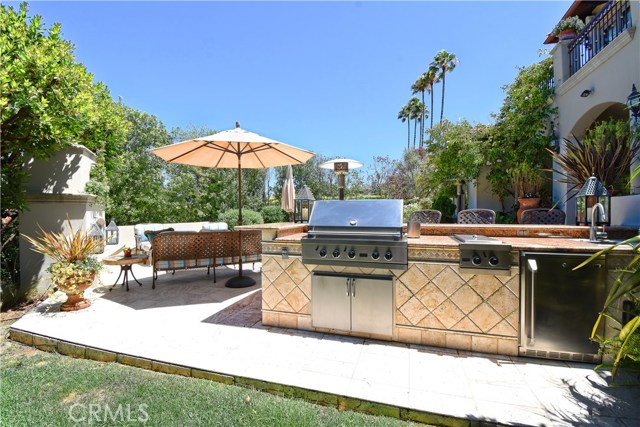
113 233
633 101
95 233
303 205
592 192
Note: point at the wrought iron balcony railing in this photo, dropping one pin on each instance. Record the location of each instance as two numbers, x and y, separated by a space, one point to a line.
612 20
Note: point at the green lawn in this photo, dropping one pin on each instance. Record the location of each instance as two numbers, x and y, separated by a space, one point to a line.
45 389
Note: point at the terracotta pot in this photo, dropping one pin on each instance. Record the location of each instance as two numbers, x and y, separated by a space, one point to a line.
527 203
76 301
127 253
567 35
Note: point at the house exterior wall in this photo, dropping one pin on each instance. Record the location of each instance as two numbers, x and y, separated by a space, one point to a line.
609 75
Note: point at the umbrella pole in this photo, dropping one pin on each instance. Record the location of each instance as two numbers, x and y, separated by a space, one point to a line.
240 281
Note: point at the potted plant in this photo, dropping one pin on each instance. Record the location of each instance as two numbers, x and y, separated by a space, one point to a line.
568 28
74 268
527 184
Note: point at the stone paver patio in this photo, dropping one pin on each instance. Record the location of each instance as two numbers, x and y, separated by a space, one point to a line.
191 326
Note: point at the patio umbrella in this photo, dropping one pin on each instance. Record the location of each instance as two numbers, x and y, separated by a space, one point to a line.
288 192
234 148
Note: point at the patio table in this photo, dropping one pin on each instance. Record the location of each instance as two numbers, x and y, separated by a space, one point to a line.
125 264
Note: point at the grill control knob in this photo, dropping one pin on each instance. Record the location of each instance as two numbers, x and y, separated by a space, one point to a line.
375 254
476 260
352 253
493 260
336 253
388 255
323 252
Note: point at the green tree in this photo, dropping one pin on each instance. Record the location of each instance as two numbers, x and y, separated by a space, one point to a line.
444 62
456 153
415 114
420 86
523 128
47 100
431 77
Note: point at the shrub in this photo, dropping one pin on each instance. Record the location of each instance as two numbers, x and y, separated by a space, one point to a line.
248 217
444 204
409 209
272 214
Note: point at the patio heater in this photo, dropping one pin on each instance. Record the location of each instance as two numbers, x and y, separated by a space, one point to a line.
113 233
341 167
592 192
303 205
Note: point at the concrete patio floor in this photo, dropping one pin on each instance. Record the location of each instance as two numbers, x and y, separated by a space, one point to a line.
192 326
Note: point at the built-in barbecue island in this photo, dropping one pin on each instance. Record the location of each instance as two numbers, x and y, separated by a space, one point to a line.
466 287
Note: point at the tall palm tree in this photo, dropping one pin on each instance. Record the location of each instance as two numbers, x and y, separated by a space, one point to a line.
431 77
415 114
444 62
420 85
405 114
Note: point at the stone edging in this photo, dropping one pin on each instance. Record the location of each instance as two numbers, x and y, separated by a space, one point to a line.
66 348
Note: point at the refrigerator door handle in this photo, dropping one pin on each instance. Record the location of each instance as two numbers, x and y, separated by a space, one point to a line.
532 266
348 286
353 287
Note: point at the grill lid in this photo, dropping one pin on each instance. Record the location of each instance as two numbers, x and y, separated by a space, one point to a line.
356 214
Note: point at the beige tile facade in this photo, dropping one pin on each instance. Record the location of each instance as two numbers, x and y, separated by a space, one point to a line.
435 302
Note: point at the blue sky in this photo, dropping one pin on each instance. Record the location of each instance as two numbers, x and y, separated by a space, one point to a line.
329 77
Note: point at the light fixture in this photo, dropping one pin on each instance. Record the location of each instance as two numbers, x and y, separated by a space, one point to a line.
113 233
592 192
586 93
633 101
95 233
303 205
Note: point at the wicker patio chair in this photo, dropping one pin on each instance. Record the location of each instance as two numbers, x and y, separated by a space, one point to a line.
542 216
477 216
427 216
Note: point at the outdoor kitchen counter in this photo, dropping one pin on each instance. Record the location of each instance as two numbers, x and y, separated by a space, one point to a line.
435 302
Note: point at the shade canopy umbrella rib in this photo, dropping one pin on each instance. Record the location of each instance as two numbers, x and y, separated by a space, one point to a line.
234 148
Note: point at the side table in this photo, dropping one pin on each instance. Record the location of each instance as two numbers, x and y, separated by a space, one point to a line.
125 264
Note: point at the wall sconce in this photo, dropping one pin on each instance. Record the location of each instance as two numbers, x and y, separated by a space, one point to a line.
592 192
586 93
633 101
303 205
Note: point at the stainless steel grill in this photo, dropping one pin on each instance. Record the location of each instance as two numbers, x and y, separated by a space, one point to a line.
482 252
359 233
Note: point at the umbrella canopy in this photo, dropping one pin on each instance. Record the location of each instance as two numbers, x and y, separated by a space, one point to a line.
288 192
234 148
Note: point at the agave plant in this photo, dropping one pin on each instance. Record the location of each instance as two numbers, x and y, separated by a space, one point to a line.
606 151
72 253
626 344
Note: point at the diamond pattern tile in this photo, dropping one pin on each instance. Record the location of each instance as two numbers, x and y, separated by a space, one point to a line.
485 317
448 281
431 296
284 262
431 270
400 319
466 325
466 299
414 279
283 306
448 314
504 328
414 311
503 301
284 284
270 268
402 294
271 297
514 284
431 321
297 271
305 286
485 285
297 299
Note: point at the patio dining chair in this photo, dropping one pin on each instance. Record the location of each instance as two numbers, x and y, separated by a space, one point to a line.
477 216
542 216
427 216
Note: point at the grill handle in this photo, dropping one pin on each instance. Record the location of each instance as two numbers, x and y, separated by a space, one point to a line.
355 233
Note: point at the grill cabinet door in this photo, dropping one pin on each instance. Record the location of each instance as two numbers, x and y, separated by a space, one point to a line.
331 302
372 304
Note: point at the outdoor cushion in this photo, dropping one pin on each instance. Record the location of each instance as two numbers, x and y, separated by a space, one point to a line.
215 226
150 234
139 230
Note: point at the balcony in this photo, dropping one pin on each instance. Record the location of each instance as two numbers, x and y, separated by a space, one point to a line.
612 20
